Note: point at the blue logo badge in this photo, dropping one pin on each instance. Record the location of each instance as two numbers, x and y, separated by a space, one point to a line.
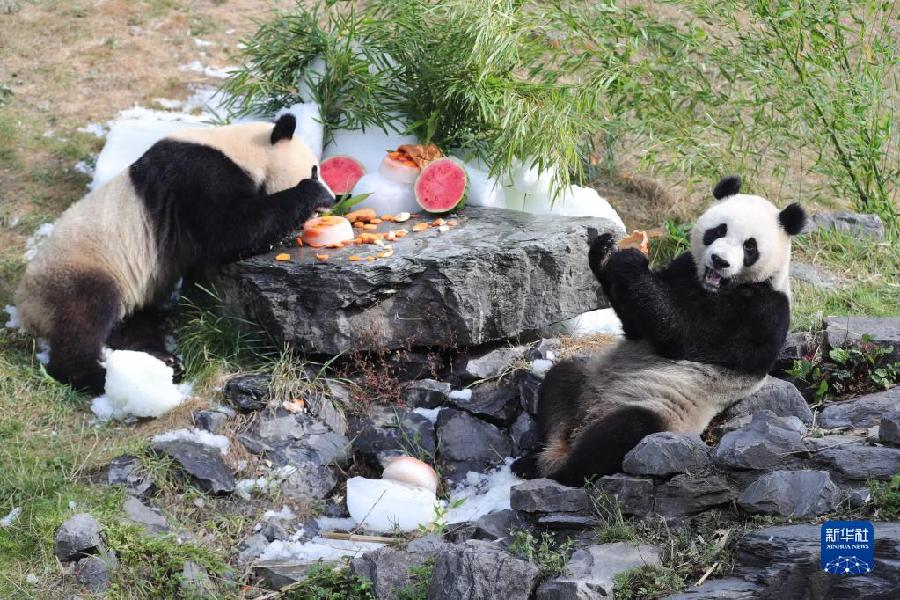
848 547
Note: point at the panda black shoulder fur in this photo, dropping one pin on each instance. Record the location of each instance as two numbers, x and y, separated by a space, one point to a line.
700 334
196 198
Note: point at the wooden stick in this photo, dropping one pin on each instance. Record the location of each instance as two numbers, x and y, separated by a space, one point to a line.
353 537
707 574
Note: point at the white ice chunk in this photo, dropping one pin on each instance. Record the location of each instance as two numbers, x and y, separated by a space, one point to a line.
199 436
335 523
37 239
484 190
540 366
383 505
464 395
315 550
137 384
245 487
595 321
387 196
212 72
43 354
309 125
429 413
82 166
368 147
11 517
482 494
284 514
14 321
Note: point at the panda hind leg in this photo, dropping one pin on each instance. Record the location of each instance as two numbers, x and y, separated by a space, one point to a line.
601 446
86 305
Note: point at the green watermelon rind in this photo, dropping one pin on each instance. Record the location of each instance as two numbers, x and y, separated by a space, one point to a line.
465 193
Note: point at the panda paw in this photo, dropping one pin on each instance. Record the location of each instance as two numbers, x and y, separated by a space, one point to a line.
629 260
601 249
315 195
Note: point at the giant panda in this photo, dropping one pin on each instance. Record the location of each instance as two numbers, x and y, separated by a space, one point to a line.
196 198
699 335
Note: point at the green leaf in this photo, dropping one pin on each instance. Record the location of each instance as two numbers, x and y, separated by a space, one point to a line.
344 206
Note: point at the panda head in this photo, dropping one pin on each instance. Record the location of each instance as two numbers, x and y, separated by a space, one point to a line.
288 159
744 239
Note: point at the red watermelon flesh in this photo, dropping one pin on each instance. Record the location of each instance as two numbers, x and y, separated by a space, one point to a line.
442 186
341 173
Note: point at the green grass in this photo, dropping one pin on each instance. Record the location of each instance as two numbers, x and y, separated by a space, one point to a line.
549 555
886 498
327 583
647 583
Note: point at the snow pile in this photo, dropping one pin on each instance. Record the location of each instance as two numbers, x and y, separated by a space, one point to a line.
540 366
464 395
284 514
245 487
213 72
137 385
43 356
335 523
383 504
482 494
94 129
198 436
315 550
11 517
429 413
37 239
602 321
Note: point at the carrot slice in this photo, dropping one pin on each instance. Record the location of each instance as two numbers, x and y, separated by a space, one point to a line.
300 241
354 257
401 233
363 214
322 257
437 222
420 226
283 256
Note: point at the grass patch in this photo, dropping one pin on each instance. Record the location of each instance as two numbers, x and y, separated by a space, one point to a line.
326 583
421 578
549 555
886 498
646 583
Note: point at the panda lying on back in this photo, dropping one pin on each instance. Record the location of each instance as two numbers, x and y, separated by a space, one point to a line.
197 198
700 334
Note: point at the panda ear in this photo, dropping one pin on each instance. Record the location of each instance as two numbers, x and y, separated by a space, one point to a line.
792 218
284 128
728 186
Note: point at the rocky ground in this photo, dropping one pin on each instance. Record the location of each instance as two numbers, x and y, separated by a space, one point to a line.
732 514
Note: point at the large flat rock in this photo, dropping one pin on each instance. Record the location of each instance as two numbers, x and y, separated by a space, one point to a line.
495 275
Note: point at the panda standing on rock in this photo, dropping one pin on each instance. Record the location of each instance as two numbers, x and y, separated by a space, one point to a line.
700 334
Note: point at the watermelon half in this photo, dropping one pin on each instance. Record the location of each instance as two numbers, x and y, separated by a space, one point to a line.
341 173
442 186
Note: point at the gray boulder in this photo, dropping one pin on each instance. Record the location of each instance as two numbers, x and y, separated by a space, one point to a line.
291 439
816 277
495 526
545 348
889 428
857 224
796 346
389 569
634 495
529 386
126 471
548 496
884 331
792 494
389 432
863 412
525 434
479 570
860 462
762 444
93 572
202 463
251 547
139 513
247 393
566 521
779 396
309 482
590 571
691 494
494 401
496 275
278 574
667 453
730 588
77 537
211 421
195 581
492 364
427 393
464 439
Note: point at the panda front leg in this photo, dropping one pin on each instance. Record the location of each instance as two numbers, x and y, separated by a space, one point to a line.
601 250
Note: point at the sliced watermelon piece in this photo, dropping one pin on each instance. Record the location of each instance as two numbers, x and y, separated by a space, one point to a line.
341 173
442 186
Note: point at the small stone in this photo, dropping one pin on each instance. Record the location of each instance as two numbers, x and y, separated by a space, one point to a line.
548 496
497 526
495 401
818 278
591 571
203 463
792 494
389 432
427 393
290 439
277 574
858 224
309 482
689 495
77 537
529 386
633 494
479 570
779 396
761 444
883 331
463 438
195 581
546 349
525 434
126 470
865 411
859 497
667 453
860 462
889 428
566 521
141 514
250 548
247 393
211 421
388 569
493 364
93 572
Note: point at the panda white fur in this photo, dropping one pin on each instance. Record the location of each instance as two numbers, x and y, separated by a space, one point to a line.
196 198
700 334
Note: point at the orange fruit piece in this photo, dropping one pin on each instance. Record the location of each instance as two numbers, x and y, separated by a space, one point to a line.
354 257
322 257
370 227
283 256
420 226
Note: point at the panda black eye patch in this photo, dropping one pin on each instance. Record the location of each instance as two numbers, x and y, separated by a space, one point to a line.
751 252
714 233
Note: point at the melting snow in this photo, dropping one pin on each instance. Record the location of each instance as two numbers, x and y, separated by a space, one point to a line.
14 321
285 513
317 549
429 413
213 72
95 129
137 385
540 366
464 395
335 523
482 494
10 518
199 436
